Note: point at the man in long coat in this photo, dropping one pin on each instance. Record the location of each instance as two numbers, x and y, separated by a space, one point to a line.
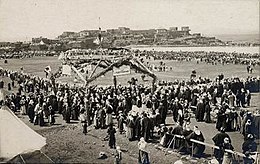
218 140
200 111
145 127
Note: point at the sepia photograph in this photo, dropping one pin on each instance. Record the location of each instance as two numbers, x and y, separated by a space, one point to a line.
130 81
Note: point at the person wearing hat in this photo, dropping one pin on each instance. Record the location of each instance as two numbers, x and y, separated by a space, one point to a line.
121 121
83 119
143 157
130 124
51 115
198 149
227 157
31 110
249 128
111 136
109 110
249 147
218 140
22 106
200 111
243 97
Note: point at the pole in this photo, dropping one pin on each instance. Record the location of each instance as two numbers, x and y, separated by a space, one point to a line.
115 81
173 139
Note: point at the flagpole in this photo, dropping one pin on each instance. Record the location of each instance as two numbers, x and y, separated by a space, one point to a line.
99 28
98 22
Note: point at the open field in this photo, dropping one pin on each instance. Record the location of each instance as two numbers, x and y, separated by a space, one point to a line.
66 143
181 70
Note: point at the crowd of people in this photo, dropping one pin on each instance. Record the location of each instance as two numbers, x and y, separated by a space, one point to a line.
210 57
26 54
139 113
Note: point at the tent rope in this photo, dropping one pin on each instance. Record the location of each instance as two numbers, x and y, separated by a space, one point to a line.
47 156
22 158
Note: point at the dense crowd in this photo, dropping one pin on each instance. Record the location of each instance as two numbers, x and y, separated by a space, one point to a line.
140 114
26 54
210 57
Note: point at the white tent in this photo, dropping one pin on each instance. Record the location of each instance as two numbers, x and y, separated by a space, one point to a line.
16 137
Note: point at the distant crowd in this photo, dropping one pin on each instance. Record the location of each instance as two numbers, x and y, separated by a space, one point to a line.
138 113
26 54
211 57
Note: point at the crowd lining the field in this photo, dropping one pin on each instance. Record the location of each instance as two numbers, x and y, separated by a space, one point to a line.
211 57
139 112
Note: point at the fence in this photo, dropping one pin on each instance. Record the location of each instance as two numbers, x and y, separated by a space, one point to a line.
256 158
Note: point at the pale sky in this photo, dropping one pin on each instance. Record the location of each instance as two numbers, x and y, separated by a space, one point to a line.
24 19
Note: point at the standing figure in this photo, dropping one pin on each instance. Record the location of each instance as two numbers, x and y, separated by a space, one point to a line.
198 149
145 127
111 136
143 157
207 111
109 110
248 97
67 113
227 157
218 140
121 121
249 147
83 121
118 155
22 106
31 111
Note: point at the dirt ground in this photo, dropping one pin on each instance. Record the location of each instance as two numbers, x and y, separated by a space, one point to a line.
67 144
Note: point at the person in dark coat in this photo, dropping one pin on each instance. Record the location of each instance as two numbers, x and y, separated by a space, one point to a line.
221 119
238 98
200 111
9 86
51 115
207 111
31 111
177 130
101 116
249 146
41 118
226 156
186 145
218 140
145 127
198 149
67 113
121 120
138 127
2 84
60 105
248 98
243 97
175 108
111 136
163 112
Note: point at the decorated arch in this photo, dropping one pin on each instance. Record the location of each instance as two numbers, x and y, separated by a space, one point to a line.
106 63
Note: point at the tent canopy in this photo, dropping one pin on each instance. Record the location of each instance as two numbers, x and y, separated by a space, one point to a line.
16 137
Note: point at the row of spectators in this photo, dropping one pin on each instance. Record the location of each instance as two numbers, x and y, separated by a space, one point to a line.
199 56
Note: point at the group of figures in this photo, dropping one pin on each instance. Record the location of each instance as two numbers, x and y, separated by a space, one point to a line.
139 113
